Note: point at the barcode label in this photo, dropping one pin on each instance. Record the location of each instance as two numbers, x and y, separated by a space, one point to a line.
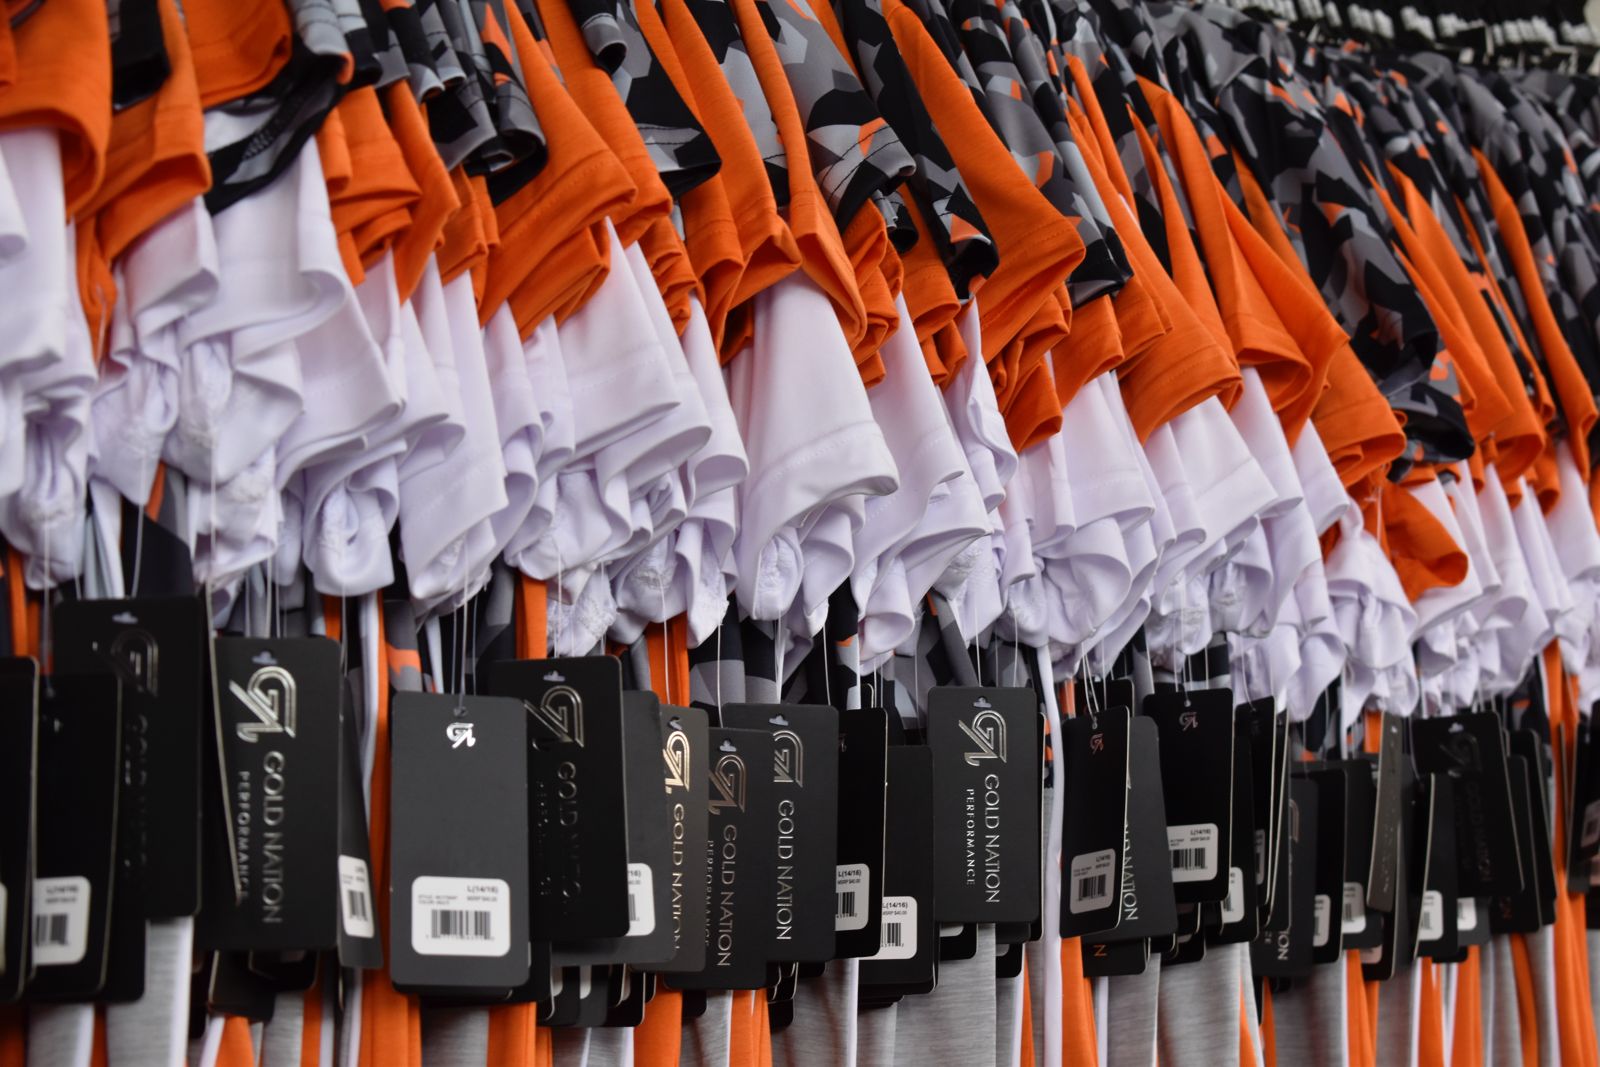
641 900
1089 885
1591 823
850 887
898 941
1354 917
1233 903
355 895
60 920
1466 914
1321 920
1430 927
460 916
1193 847
1261 857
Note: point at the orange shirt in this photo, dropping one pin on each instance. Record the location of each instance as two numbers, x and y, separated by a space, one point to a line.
438 201
239 45
372 203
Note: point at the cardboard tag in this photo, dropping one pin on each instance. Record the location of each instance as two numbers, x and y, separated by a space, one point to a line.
1240 912
1583 841
985 744
19 720
1382 873
858 874
649 827
742 851
1197 775
156 649
1113 959
79 773
1437 924
805 779
1287 953
1094 752
1258 722
459 899
1327 936
908 952
576 797
1471 749
359 944
1519 911
685 750
1532 748
1360 805
1145 897
280 714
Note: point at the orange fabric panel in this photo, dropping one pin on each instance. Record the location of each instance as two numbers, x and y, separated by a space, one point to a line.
866 242
658 1040
13 1036
239 45
1080 1045
1358 428
822 251
1269 1031
1093 347
1466 1047
1527 1006
671 268
236 1049
63 81
1425 556
438 201
377 202
311 1027
1430 1017
1026 1059
544 258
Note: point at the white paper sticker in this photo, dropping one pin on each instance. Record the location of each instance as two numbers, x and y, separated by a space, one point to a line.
1430 926
1466 914
1233 903
1372 955
1591 823
1355 909
899 938
1194 851
60 920
460 916
355 897
641 900
1321 920
850 896
1089 888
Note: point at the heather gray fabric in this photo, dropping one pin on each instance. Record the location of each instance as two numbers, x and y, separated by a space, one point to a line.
1542 960
256 1033
1310 1020
1396 1043
60 1035
1198 1009
455 1037
349 1020
570 1047
706 1040
1503 1047
824 1026
875 1034
1007 1020
1033 957
1593 941
153 1031
608 1047
1131 1002
955 1023
281 1037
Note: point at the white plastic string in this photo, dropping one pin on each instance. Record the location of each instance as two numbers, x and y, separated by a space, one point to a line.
719 666
561 619
1016 641
827 667
666 642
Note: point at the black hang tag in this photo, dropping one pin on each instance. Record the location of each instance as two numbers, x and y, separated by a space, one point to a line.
576 795
288 972
684 770
1148 906
858 885
1197 775
1472 750
19 719
1381 873
458 852
1094 755
156 648
1239 914
629 1008
1327 938
1008 962
566 997
1519 912
359 943
1287 953
280 716
1360 808
1187 948
125 942
958 941
597 990
1112 959
79 778
649 936
1415 824
909 950
1583 841
1014 933
1472 921
805 777
1532 748
232 988
742 851
1257 723
985 744
1439 919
